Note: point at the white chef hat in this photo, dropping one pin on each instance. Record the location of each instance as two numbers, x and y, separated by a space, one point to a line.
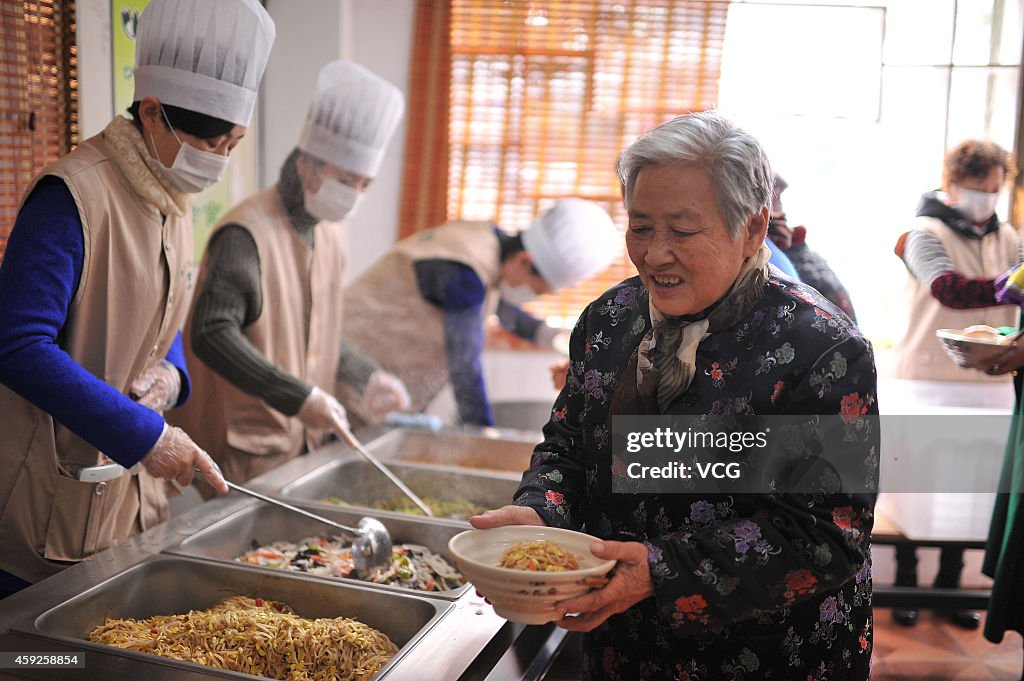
206 56
353 116
571 241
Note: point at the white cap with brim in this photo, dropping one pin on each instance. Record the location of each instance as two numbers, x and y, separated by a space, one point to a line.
205 56
571 241
352 118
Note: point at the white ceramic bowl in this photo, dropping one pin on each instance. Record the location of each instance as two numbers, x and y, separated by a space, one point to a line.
971 353
522 595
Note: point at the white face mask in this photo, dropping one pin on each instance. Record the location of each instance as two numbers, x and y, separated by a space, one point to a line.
193 169
977 206
333 201
517 295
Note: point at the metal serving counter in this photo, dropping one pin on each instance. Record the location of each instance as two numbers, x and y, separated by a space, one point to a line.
186 563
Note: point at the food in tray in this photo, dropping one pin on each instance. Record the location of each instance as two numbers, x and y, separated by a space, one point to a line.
457 507
411 566
984 332
260 637
542 555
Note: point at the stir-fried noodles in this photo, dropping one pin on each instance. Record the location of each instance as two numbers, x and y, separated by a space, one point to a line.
411 566
259 637
540 556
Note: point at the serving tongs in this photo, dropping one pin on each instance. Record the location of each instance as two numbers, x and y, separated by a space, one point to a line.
351 440
371 542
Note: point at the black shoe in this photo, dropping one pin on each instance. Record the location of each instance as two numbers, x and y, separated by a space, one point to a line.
965 619
905 616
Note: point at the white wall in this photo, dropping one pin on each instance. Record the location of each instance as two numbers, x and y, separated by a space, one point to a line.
308 36
382 42
95 84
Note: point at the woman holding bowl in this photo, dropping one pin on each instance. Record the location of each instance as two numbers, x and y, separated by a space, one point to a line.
708 586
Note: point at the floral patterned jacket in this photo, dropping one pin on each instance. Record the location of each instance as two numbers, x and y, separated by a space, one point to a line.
748 586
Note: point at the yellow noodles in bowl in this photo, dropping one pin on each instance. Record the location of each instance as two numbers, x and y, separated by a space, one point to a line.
542 555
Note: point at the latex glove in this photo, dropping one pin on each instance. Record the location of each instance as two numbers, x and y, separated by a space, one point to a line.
157 387
384 393
559 374
630 584
176 456
321 411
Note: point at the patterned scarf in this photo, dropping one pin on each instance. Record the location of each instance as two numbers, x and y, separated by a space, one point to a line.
142 171
667 358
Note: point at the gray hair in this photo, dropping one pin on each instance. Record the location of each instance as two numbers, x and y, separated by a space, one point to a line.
739 167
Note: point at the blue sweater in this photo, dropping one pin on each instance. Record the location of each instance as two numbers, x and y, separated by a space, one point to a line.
39 277
781 260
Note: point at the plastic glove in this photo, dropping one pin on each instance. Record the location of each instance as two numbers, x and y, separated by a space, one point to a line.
176 456
385 393
321 411
157 387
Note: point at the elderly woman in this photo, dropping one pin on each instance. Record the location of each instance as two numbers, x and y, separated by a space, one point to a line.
745 586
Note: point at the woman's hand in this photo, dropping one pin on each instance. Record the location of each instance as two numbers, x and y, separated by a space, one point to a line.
1009 360
630 584
506 515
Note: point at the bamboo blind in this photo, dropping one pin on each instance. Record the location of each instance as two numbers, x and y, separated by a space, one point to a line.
543 96
38 95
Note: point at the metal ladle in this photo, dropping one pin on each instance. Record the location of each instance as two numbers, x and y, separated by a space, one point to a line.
371 542
351 440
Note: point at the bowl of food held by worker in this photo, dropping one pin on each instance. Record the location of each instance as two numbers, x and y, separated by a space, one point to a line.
524 570
975 347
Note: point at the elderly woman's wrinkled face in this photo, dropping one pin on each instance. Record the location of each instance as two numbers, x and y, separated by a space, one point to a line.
679 241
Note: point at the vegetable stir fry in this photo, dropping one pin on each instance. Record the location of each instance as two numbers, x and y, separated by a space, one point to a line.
411 566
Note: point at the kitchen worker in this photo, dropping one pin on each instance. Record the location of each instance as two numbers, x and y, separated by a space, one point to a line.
264 332
94 288
955 251
419 311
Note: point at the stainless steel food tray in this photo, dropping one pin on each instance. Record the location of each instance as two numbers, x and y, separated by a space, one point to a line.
360 484
484 448
263 524
171 584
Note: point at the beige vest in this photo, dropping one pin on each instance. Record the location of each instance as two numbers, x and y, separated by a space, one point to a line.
920 355
131 300
388 320
298 330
